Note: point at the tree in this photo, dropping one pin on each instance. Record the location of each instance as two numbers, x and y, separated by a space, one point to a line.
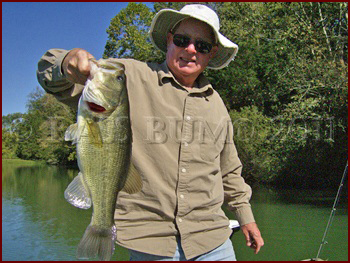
41 130
128 35
10 134
297 55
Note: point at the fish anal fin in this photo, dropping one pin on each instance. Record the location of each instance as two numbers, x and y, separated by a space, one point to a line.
133 182
77 193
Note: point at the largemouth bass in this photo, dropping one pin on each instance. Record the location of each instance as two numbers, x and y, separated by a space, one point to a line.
103 141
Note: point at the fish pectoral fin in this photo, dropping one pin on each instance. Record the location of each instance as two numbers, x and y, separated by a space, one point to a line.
133 182
94 133
72 133
77 193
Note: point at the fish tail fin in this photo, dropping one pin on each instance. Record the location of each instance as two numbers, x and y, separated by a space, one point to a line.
97 242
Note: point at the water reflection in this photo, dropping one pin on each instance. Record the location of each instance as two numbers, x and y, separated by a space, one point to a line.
33 207
315 197
293 223
39 224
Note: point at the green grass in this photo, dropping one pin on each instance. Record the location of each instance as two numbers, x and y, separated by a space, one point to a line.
20 162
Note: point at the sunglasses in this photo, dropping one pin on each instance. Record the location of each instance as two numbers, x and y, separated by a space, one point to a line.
184 41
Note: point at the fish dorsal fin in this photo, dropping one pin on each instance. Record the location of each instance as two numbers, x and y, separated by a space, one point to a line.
72 133
133 182
77 193
94 133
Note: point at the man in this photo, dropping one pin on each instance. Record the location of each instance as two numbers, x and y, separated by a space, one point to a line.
182 141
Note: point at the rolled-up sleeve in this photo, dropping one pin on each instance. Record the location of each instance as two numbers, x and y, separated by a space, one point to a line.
237 191
53 81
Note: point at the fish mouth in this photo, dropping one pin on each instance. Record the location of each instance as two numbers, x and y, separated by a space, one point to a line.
95 108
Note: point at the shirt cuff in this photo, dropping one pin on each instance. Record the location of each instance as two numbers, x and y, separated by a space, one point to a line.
57 69
244 215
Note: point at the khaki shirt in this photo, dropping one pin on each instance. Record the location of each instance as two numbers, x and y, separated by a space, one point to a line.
183 146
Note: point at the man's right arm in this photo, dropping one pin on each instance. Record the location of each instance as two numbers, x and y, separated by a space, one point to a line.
63 74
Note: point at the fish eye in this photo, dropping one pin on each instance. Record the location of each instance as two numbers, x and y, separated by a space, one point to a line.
120 78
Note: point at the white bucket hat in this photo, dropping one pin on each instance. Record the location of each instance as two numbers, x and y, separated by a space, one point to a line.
166 19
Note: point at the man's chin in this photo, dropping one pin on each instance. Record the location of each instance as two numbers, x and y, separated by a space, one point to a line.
188 68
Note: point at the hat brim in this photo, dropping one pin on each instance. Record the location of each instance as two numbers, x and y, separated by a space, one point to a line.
166 19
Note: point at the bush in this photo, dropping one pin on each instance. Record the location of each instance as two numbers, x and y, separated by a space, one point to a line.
290 150
252 131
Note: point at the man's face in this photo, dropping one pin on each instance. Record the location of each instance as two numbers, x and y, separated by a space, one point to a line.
186 63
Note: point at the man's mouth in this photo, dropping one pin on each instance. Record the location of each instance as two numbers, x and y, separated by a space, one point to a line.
188 60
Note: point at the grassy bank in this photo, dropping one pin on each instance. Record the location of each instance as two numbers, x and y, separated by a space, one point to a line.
20 162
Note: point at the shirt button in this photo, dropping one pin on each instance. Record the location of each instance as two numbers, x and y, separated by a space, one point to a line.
180 220
188 118
183 170
182 196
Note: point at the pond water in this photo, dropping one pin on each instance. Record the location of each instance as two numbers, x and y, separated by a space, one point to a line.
39 224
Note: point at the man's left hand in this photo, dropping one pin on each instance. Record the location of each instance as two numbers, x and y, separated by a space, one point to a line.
252 236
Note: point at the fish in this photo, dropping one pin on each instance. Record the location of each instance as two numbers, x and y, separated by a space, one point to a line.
103 139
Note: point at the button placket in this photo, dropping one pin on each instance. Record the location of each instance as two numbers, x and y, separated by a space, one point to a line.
184 159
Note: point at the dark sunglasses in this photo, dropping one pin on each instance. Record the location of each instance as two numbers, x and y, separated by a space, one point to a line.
184 41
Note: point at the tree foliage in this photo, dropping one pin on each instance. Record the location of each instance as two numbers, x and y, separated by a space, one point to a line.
10 134
39 133
292 66
128 34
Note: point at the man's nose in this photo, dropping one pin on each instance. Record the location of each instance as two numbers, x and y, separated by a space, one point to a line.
191 48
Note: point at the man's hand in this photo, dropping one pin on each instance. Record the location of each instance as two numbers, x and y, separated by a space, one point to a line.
252 236
76 66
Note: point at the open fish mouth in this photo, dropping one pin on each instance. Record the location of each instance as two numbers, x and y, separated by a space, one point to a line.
95 108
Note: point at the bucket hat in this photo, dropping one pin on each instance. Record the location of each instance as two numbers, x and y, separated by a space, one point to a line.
166 19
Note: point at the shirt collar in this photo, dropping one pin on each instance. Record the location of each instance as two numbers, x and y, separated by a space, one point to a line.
203 84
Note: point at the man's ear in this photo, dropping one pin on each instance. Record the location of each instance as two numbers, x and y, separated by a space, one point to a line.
169 39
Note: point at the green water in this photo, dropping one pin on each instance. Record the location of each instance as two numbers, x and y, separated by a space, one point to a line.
38 224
